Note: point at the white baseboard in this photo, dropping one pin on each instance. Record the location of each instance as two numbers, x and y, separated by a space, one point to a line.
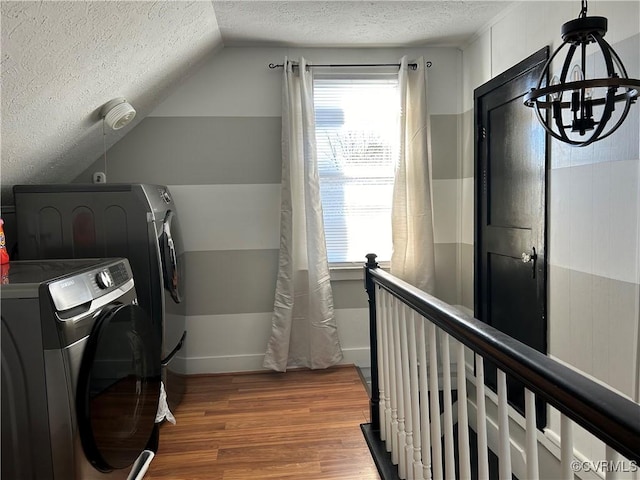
219 364
360 357
251 362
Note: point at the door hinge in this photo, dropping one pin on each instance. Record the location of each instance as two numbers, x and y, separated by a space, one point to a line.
483 133
484 181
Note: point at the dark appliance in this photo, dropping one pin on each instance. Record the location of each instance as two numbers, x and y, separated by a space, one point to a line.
80 372
134 221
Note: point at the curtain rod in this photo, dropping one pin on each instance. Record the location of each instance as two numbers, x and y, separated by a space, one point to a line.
413 66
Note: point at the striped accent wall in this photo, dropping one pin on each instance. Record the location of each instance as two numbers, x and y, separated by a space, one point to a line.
594 248
593 207
216 143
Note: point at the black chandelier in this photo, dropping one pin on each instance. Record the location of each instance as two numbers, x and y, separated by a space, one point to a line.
581 116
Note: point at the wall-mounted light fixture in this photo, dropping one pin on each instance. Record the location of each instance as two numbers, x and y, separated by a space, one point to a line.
575 107
117 113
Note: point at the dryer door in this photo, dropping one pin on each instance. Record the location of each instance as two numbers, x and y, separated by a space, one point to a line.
118 387
169 250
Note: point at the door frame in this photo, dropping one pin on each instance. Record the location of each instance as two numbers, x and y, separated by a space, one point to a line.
534 60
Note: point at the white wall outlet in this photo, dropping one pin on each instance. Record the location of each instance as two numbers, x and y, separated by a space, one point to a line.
99 177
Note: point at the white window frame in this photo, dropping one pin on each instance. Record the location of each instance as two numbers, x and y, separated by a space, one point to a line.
353 270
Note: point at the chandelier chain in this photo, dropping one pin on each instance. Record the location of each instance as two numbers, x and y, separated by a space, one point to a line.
583 10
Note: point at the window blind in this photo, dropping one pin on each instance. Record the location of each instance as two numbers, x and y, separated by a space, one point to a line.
357 146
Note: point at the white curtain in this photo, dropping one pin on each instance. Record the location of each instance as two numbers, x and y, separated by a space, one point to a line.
412 215
304 331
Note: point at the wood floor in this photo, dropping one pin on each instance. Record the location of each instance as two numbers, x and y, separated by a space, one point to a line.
300 424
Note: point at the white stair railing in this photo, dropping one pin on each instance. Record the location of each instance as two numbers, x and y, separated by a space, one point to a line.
413 386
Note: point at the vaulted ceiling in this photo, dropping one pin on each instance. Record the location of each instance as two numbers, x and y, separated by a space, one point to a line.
61 61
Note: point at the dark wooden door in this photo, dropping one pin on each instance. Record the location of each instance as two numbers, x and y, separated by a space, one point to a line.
510 193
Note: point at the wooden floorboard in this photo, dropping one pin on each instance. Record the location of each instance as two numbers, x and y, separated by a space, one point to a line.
297 425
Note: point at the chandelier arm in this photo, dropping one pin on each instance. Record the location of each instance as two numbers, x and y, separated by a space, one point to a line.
616 58
606 116
562 138
539 115
583 59
583 91
627 107
632 86
542 120
560 127
567 63
606 53
545 70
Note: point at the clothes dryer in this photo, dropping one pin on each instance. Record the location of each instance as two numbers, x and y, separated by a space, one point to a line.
80 372
135 221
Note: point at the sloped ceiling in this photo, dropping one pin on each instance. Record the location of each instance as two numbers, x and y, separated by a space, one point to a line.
62 61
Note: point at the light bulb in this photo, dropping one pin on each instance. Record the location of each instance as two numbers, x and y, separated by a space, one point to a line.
588 93
556 95
576 74
588 103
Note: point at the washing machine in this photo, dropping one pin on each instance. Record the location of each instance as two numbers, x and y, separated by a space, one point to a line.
80 372
135 221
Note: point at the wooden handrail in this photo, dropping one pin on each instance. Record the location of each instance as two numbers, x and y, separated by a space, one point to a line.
606 414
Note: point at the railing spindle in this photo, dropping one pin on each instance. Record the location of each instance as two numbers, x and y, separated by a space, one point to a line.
610 456
393 388
504 448
417 472
566 447
463 416
407 448
532 435
449 455
434 399
385 298
398 450
425 429
483 454
382 365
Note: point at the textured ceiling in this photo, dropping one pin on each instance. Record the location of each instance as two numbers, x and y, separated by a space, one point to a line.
61 61
352 23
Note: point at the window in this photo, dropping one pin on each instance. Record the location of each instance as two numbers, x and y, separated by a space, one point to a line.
357 141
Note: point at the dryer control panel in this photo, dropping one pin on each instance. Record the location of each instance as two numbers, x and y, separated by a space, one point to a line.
84 287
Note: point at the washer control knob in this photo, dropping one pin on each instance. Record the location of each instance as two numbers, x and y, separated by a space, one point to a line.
104 280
